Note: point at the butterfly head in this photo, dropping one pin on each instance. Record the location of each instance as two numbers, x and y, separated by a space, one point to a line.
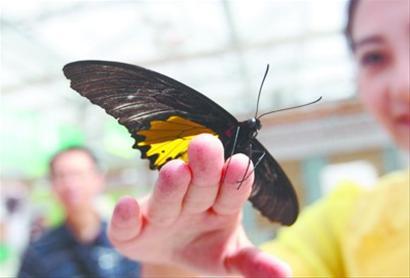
253 125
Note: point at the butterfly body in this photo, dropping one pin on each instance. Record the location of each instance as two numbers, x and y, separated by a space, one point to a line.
163 115
236 138
250 128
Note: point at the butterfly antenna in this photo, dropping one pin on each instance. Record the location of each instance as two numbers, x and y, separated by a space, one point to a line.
260 90
288 108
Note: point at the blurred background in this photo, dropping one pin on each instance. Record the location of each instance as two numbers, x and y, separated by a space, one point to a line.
221 49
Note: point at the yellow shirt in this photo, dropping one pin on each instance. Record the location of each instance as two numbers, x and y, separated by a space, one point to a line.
351 233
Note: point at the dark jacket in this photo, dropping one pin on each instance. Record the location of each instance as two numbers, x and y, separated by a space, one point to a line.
57 254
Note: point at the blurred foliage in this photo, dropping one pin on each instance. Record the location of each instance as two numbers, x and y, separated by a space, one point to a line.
26 149
117 140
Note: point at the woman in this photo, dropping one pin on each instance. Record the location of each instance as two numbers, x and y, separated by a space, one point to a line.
194 223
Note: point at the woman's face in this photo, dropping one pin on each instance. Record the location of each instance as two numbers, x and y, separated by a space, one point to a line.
381 34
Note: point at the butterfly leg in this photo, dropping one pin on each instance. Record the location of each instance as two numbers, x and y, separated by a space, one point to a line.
247 167
245 177
232 152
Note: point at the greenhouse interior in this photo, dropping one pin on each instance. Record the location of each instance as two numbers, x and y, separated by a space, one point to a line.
221 49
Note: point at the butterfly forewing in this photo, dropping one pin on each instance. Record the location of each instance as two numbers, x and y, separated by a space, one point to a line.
136 95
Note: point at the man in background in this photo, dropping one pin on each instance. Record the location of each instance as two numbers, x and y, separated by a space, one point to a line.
78 247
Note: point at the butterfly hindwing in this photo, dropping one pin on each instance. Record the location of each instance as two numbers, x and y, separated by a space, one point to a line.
168 139
272 193
163 115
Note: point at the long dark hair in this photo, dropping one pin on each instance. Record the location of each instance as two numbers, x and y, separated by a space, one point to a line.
351 8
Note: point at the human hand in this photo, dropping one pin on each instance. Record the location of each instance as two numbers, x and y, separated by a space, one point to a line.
193 221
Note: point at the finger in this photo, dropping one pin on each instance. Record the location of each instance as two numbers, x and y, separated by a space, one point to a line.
251 262
235 191
126 220
206 159
166 201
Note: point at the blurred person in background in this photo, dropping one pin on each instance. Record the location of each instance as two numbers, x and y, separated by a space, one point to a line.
193 222
79 247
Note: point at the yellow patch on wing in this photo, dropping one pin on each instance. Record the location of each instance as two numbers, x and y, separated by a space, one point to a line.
169 139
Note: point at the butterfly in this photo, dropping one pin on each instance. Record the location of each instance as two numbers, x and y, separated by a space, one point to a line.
163 115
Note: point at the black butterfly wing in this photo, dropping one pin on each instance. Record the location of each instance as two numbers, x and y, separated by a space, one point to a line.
134 94
272 193
137 97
